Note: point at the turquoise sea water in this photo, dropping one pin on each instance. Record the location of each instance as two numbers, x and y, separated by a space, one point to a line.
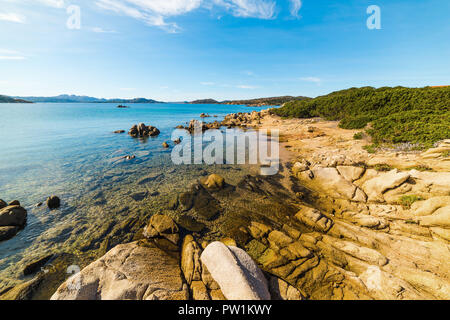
70 150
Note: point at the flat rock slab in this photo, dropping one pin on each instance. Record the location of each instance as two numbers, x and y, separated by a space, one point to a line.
127 272
236 273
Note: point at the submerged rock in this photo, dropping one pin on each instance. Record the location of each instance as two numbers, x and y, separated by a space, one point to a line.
162 226
214 181
191 224
36 265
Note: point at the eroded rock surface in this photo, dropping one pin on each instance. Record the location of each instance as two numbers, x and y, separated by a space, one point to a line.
128 272
236 273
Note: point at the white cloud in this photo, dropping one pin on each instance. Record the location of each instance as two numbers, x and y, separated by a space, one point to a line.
53 3
101 30
12 17
12 58
262 9
295 7
246 87
6 54
155 12
312 79
152 12
167 7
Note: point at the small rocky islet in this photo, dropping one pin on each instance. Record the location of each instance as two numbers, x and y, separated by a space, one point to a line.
335 223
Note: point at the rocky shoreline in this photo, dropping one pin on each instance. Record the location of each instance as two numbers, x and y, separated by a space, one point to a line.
335 223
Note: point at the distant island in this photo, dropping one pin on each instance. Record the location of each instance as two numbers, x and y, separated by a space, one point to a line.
259 102
64 98
6 99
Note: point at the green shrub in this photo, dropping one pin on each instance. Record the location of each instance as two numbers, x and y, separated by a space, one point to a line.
420 167
408 200
420 116
383 167
358 136
358 122
371 148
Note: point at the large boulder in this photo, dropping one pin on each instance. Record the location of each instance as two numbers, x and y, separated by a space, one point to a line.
3 204
333 184
236 273
351 173
374 188
127 272
13 216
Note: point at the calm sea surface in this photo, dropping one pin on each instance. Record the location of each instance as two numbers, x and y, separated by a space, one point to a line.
69 150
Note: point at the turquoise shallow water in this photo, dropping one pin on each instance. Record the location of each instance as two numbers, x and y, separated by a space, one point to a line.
70 150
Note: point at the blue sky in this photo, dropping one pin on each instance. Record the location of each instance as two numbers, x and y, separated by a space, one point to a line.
175 50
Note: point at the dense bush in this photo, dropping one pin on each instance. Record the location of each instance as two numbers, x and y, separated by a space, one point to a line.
397 115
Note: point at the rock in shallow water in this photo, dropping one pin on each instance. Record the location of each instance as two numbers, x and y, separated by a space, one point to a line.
7 233
236 273
13 216
53 202
162 226
142 130
214 181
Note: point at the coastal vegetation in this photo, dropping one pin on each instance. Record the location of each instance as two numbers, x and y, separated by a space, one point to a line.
6 99
272 101
420 116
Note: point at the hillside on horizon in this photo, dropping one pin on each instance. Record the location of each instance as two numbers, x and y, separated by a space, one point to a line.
257 102
7 99
65 98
